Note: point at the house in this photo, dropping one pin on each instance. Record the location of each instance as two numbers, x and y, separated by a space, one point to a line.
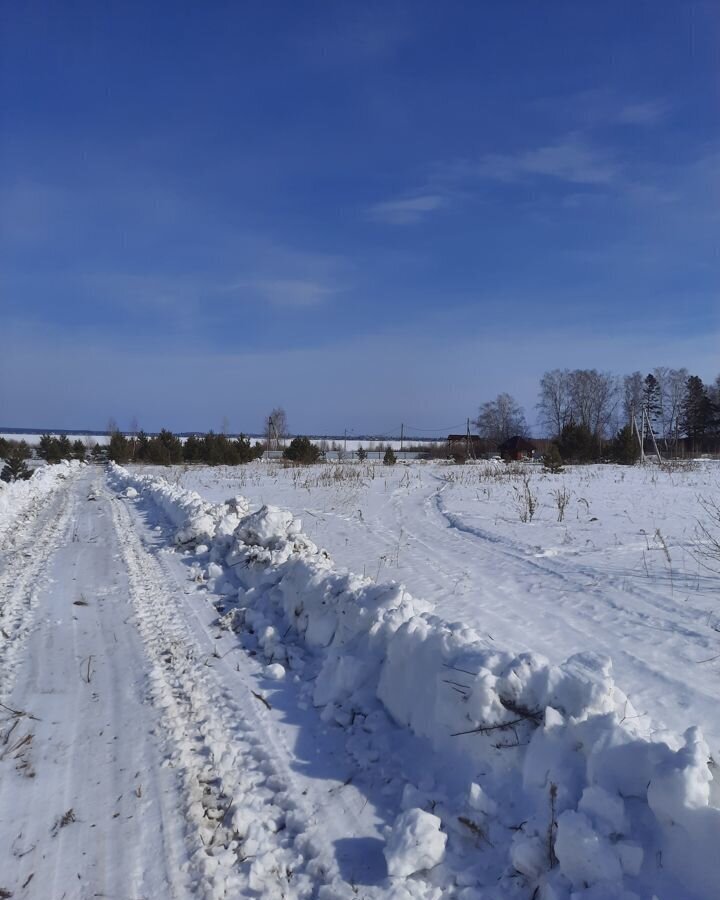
516 448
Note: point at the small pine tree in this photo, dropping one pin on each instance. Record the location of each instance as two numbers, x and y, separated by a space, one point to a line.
389 458
578 444
624 447
78 450
15 468
97 452
119 448
49 449
552 461
302 450
361 453
65 447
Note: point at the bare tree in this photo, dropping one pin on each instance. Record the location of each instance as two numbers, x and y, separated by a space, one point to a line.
554 404
673 390
661 375
594 397
276 428
501 419
632 395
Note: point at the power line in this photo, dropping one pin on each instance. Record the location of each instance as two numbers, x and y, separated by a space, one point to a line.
447 428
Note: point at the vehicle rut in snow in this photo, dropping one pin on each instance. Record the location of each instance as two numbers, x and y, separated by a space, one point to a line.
248 825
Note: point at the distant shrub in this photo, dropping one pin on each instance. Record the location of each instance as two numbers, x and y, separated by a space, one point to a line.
389 458
361 454
302 450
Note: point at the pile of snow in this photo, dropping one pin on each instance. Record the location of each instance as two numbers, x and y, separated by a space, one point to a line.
568 791
415 843
18 496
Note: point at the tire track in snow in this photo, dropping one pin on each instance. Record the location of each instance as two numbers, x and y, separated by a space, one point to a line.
42 529
248 827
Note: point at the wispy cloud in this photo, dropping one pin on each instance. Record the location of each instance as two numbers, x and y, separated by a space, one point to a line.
648 112
408 210
296 293
572 159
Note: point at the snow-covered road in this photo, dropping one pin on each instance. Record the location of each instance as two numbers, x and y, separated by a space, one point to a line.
86 804
136 740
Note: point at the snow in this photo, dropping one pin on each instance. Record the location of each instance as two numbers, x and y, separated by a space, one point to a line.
600 579
544 763
18 496
415 843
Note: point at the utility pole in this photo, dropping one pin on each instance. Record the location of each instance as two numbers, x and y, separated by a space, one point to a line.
640 438
467 439
402 430
346 440
652 435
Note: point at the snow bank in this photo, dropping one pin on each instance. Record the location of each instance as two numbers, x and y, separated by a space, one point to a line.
17 496
559 779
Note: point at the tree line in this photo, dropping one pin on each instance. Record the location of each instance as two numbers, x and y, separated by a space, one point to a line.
587 412
166 449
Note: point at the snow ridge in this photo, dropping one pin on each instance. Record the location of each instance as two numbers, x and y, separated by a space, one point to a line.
17 497
565 791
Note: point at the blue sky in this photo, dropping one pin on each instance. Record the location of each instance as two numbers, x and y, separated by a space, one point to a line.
367 213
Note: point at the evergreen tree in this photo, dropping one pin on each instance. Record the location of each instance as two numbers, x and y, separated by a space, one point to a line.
119 448
697 412
78 450
389 457
142 442
552 461
652 401
65 447
361 453
624 447
165 449
302 450
15 468
578 444
97 452
192 449
49 449
4 447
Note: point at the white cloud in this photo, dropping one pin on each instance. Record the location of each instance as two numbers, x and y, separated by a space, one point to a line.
292 292
648 112
409 210
572 160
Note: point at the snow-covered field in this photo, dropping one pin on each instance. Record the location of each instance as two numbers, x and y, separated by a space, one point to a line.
199 700
617 575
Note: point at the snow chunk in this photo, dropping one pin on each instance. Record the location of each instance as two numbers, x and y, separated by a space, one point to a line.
415 843
275 672
585 857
